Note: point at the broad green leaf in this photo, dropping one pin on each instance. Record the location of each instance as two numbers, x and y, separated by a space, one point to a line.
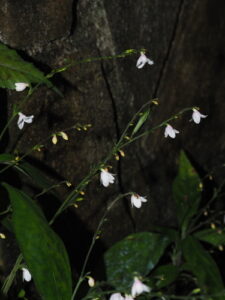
212 236
42 249
165 274
141 121
136 254
203 266
186 191
171 233
14 69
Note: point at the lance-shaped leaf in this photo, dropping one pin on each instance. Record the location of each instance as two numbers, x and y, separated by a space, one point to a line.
136 254
14 69
186 191
141 121
215 237
202 265
166 274
42 249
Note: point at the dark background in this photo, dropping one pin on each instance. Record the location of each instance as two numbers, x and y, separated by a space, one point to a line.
186 41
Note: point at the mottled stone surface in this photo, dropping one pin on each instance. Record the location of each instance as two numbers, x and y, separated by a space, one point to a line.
26 24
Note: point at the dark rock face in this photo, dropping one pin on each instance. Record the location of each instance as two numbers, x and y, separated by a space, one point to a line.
186 41
27 24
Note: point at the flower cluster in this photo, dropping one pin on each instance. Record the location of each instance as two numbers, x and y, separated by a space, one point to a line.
169 130
107 178
196 117
137 289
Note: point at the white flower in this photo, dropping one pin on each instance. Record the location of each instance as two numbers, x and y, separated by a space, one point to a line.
128 297
138 288
24 119
20 86
26 275
196 116
106 178
137 200
91 281
142 60
170 131
116 296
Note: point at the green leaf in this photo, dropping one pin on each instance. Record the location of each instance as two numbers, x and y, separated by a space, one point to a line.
171 233
203 266
42 249
166 274
136 254
186 192
211 236
6 157
38 177
14 69
141 121
34 174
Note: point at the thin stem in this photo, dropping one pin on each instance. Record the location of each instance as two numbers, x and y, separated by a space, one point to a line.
192 226
156 127
62 69
6 211
15 113
208 221
13 163
7 125
134 117
120 144
89 60
9 280
50 188
81 278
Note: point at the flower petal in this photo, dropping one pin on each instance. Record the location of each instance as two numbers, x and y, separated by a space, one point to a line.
20 121
170 131
138 288
116 296
26 275
196 116
135 201
150 62
143 199
28 119
106 178
20 86
24 119
142 60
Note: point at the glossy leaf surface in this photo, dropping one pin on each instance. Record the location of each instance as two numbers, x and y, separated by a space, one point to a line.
136 254
211 236
166 274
